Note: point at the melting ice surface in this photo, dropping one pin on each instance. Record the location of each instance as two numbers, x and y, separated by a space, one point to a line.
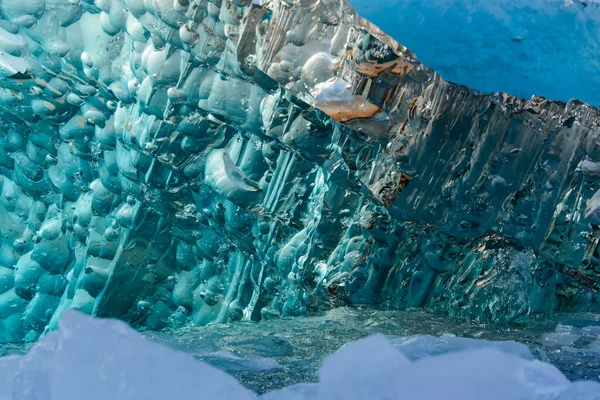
105 359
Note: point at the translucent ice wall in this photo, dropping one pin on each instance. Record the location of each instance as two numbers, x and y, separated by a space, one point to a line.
176 162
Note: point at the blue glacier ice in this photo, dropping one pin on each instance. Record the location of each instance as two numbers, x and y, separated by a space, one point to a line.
539 47
237 188
177 164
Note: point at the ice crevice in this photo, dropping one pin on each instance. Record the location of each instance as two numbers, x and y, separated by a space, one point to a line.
177 163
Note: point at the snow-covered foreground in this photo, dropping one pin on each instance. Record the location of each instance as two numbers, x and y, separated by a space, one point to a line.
105 359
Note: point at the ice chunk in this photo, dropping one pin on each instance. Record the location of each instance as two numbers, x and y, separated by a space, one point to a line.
371 368
105 359
564 335
334 98
229 362
364 369
581 391
457 375
301 391
8 366
421 346
467 374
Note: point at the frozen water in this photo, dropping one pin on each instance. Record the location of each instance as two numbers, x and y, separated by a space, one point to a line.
105 359
369 368
300 391
456 375
232 363
420 346
468 373
539 47
299 345
187 163
100 359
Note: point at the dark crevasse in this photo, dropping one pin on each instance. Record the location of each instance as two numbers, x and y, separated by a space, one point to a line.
182 163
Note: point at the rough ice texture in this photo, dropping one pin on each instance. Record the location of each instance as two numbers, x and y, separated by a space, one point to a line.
538 47
105 359
175 162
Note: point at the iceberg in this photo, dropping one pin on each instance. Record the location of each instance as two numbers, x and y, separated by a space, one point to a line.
176 163
103 358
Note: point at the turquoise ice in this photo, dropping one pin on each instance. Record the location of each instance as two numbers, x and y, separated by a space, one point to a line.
177 163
